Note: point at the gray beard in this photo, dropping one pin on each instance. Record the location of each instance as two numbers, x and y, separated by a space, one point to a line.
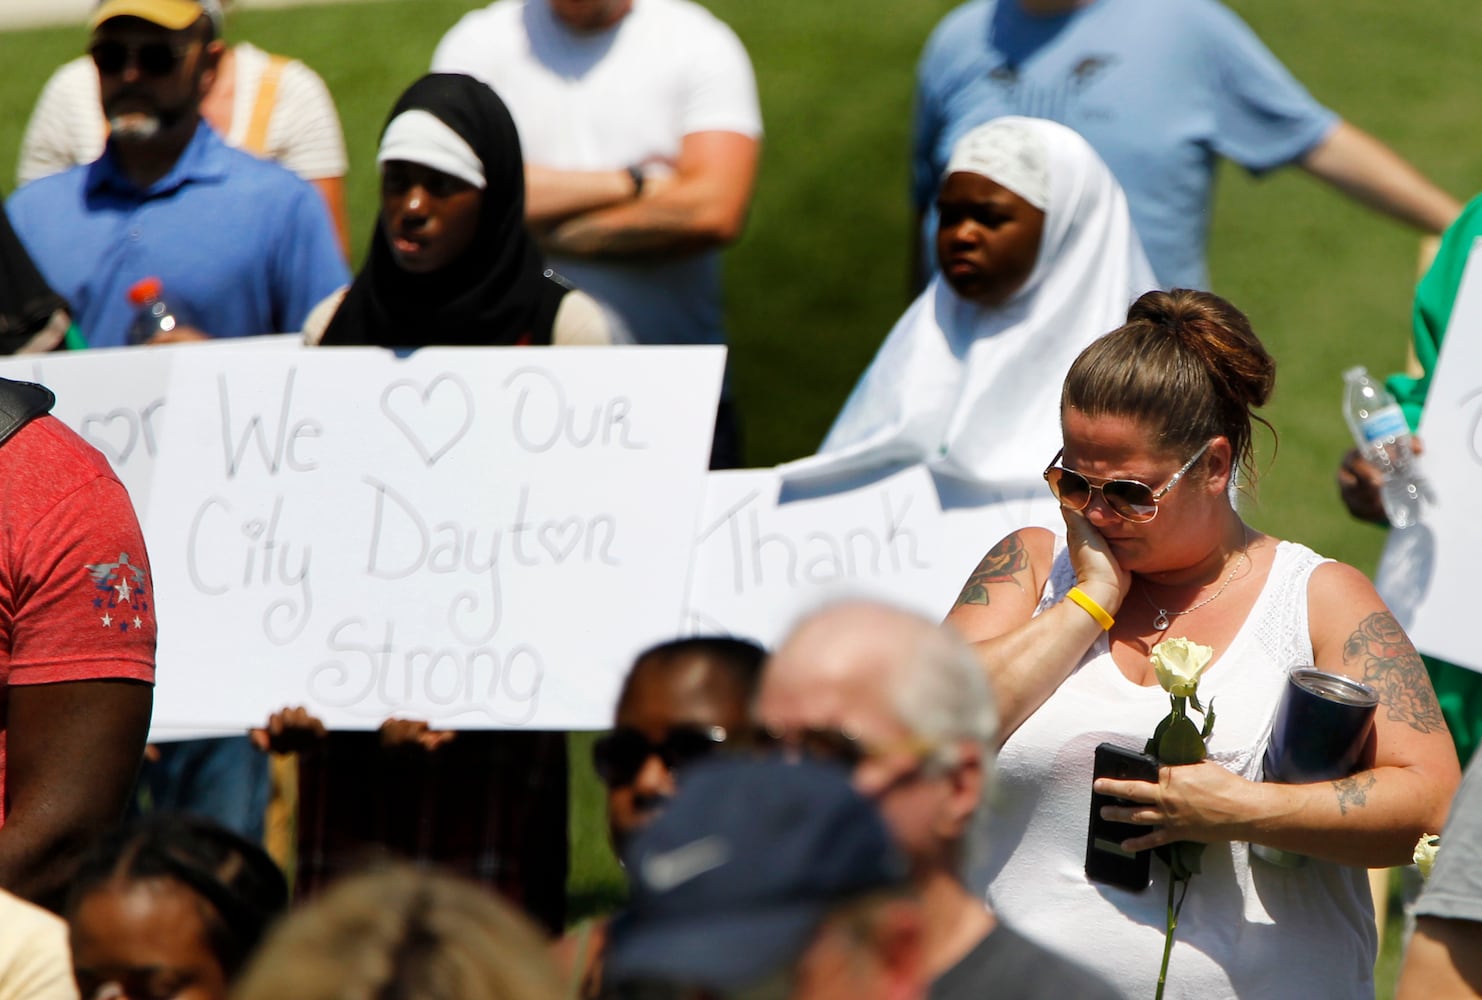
135 127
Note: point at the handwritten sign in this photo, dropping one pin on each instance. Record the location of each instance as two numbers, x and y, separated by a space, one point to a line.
1427 574
115 398
481 538
764 554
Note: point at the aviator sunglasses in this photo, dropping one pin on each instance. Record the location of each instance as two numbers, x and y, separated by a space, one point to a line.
1128 499
152 58
621 754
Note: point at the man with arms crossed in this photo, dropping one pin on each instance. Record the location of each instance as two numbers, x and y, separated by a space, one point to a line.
641 132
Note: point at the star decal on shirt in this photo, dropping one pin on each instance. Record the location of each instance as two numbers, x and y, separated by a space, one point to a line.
121 592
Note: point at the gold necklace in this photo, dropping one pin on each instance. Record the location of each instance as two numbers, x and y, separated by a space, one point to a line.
1164 618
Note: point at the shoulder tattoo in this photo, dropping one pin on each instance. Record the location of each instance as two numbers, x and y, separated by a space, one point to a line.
1353 792
1000 565
1391 666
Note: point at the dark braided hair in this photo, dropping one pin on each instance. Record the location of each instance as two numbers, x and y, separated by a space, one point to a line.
239 888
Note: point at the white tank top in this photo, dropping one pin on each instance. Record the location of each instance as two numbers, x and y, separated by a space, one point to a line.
1247 929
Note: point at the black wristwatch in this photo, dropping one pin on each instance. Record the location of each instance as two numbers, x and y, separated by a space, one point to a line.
636 172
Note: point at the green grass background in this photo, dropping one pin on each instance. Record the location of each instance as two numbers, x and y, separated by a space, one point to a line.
820 274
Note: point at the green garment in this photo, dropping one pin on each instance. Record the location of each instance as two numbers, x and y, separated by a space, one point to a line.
1434 297
1459 689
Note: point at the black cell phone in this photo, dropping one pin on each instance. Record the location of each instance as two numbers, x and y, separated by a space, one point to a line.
1105 859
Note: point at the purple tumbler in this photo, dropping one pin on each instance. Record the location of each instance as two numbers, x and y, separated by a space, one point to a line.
1321 727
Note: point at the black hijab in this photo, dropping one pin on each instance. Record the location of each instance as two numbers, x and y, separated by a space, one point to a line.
26 300
497 292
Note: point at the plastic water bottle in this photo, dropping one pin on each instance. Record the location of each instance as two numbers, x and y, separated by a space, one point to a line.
154 316
1383 436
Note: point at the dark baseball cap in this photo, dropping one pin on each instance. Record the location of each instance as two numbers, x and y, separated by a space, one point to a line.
731 882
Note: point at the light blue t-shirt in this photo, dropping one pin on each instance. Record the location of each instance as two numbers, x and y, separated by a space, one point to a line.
240 245
1160 88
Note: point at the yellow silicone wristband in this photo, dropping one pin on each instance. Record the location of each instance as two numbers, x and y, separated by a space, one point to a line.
1091 608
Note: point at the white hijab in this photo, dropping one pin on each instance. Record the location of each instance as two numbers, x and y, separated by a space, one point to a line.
975 391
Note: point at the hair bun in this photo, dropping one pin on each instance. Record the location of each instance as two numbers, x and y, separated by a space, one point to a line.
1219 334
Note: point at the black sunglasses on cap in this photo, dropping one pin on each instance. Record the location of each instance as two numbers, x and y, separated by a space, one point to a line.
152 58
621 754
1128 499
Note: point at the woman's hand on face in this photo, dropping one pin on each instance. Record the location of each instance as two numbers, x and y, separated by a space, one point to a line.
1097 571
1201 802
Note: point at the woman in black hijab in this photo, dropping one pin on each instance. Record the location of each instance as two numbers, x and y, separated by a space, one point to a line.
451 262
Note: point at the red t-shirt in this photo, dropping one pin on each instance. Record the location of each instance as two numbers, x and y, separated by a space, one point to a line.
76 597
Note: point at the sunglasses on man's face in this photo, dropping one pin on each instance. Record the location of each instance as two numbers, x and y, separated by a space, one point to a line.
621 754
1127 498
152 58
836 746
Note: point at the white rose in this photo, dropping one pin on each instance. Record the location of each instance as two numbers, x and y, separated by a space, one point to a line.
1425 853
1179 663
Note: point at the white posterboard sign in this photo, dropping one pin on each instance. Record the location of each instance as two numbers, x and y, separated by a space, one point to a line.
1428 572
764 555
114 398
976 517
481 538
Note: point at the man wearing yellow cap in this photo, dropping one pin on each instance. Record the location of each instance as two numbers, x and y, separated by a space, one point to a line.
238 245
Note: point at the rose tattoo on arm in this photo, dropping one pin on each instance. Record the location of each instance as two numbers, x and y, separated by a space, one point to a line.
1391 666
1001 565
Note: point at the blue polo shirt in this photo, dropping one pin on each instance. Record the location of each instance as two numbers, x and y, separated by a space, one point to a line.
241 245
1161 89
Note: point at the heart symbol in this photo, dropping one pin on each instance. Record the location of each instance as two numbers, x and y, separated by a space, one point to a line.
102 431
553 537
407 406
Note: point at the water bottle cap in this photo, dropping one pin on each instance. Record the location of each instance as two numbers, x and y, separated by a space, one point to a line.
1356 372
144 290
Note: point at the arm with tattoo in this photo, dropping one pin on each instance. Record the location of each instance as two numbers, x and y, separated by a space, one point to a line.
1409 770
1370 818
1026 653
1381 654
1353 791
1006 562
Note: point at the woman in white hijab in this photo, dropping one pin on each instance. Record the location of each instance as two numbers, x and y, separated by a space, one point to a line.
1038 259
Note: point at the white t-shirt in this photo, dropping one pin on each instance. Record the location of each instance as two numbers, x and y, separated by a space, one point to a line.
609 100
303 134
